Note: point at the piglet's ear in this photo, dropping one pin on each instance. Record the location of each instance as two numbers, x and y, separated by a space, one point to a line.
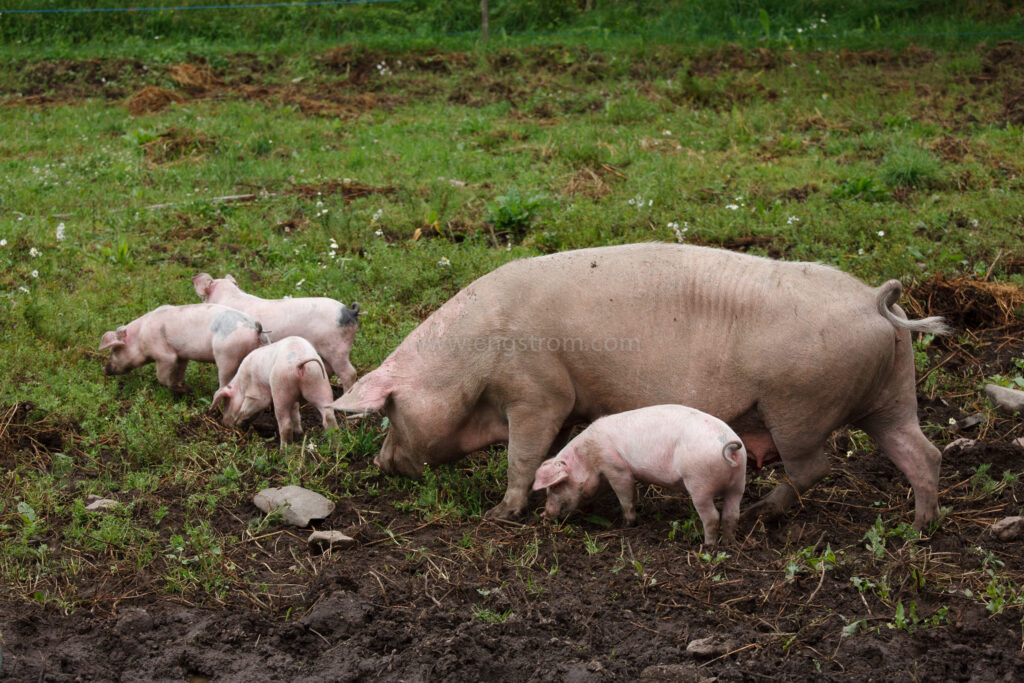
112 339
202 283
368 395
223 394
548 474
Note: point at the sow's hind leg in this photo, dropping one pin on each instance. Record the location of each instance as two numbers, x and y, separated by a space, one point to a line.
803 456
902 441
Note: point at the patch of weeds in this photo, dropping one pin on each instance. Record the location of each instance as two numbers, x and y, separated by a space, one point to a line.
910 167
907 619
591 544
984 485
876 536
513 213
921 345
1000 591
689 530
863 188
1014 380
805 560
880 587
489 616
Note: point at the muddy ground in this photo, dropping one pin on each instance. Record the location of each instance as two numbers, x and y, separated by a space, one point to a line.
457 599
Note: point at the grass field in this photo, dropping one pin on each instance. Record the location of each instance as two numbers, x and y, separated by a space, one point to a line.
394 177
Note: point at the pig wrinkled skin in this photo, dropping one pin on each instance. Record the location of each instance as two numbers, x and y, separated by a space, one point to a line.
328 324
783 352
279 373
171 336
671 446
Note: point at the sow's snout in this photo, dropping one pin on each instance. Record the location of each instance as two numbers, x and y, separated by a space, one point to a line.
391 462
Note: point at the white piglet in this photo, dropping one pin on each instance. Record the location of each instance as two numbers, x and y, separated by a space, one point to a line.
668 445
280 373
171 336
328 324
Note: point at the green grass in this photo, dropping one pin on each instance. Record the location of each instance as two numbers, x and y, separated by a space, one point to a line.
523 152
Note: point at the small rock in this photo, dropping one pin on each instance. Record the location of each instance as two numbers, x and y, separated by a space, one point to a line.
298 505
330 538
1008 528
674 673
1019 442
1007 399
967 422
712 646
959 444
98 504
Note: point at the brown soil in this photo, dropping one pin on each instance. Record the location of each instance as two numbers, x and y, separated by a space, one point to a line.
465 599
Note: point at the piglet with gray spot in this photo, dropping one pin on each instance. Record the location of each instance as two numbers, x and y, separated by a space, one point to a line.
668 445
328 324
281 373
171 336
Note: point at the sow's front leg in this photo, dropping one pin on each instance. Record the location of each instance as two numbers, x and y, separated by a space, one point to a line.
533 424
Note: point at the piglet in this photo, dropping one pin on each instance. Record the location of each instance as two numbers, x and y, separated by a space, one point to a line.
281 373
171 336
668 445
328 324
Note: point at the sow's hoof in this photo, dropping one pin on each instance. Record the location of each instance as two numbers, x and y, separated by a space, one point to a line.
503 512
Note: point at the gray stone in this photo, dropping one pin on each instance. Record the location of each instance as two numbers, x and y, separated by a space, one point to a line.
297 505
1008 528
967 422
1019 442
97 504
330 538
1010 400
712 646
959 444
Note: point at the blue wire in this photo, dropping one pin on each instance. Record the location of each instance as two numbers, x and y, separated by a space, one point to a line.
82 10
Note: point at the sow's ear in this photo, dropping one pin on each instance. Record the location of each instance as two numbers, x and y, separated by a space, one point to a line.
368 395
112 339
202 283
549 473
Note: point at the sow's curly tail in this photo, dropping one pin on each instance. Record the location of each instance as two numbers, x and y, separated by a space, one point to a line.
889 294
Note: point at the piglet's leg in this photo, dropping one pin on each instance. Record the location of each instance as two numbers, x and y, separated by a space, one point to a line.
620 477
709 517
170 372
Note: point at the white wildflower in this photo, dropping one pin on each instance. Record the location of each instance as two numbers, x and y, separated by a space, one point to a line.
444 261
35 273
792 219
952 421
3 242
24 289
849 454
881 233
824 96
379 232
33 252
60 232
732 207
300 283
666 132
